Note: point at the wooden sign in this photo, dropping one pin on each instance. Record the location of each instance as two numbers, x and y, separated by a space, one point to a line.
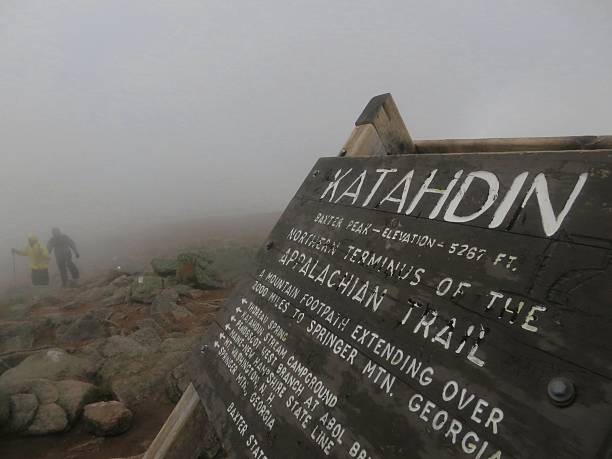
424 306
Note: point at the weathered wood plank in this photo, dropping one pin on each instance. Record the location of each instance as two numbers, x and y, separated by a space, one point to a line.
363 141
587 142
186 433
382 113
426 316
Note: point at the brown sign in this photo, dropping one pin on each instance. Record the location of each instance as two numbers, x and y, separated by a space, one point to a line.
424 306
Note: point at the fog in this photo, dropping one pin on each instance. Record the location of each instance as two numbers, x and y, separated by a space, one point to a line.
118 114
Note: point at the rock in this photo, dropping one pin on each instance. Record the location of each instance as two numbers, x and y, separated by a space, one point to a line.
189 292
105 419
146 323
115 274
181 313
150 323
145 288
57 319
165 301
95 294
121 281
93 350
120 296
147 337
122 345
184 344
16 336
164 266
15 358
176 383
182 289
70 306
44 390
74 395
5 408
23 410
49 300
102 313
216 268
49 419
4 365
134 379
85 328
54 364
170 282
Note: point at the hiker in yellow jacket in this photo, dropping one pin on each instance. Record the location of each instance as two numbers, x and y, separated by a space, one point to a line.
38 258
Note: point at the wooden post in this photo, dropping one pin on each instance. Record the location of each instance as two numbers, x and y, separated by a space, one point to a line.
184 435
379 131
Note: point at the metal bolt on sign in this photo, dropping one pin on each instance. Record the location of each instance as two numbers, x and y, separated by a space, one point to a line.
561 391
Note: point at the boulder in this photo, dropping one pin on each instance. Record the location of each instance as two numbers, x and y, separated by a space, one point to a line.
176 382
145 288
74 395
54 320
49 300
85 328
165 302
150 323
182 289
214 268
121 281
23 410
16 336
164 266
109 277
49 419
95 294
105 419
5 408
183 344
136 378
120 296
181 313
93 350
146 337
102 313
188 292
54 364
122 345
44 389
15 358
4 365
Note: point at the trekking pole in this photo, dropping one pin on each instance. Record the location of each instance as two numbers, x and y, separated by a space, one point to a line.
14 270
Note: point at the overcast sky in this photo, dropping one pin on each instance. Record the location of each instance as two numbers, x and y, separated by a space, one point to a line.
113 112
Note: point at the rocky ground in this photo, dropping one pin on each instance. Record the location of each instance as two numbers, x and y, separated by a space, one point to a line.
93 371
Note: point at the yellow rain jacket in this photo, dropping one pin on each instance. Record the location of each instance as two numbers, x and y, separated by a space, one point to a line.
37 254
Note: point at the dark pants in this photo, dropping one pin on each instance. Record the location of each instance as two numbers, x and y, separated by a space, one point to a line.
65 264
40 277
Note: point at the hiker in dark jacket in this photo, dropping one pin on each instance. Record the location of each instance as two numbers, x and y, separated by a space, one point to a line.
63 247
